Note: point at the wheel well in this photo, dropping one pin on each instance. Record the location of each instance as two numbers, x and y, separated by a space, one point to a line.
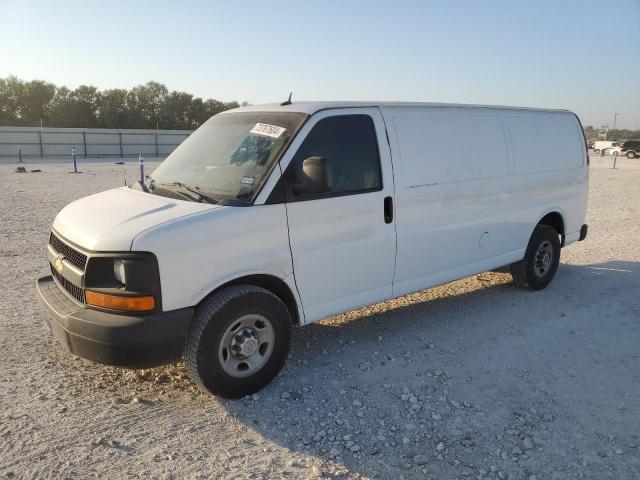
275 286
554 219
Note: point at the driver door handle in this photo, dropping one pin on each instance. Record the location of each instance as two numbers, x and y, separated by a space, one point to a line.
388 209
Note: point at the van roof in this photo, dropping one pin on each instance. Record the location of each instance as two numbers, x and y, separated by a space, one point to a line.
313 107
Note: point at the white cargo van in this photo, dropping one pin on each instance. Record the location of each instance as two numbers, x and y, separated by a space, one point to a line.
275 216
604 145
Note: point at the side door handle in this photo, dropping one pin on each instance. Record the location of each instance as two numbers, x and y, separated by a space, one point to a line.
388 209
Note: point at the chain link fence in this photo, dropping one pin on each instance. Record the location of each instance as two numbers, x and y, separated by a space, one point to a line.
33 142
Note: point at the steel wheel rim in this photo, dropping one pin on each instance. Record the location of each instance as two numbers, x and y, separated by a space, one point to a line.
247 344
543 259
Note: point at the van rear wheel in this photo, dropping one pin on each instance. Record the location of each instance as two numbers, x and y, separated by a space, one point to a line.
631 155
238 341
538 267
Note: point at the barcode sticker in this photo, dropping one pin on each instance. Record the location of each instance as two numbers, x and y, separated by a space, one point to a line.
266 130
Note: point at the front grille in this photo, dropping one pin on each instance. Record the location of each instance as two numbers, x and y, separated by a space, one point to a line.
74 257
73 290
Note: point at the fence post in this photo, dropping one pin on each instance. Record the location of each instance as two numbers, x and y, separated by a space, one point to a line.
141 162
75 164
157 152
41 146
120 139
84 142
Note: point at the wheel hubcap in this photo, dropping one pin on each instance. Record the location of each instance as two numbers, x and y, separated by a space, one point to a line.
543 259
246 345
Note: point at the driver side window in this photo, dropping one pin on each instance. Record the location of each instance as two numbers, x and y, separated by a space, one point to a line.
349 147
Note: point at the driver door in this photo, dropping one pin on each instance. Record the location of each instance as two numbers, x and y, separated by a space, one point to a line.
343 241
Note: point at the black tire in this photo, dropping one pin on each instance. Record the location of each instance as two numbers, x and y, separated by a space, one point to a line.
529 272
213 317
631 155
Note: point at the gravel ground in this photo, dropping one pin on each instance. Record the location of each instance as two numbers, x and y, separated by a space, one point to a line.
472 379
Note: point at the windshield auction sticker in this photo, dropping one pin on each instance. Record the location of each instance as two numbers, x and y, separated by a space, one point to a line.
266 130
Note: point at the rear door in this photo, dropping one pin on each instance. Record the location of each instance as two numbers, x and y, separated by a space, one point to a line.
343 243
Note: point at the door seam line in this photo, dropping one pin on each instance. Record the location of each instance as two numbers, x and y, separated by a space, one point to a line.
293 265
394 204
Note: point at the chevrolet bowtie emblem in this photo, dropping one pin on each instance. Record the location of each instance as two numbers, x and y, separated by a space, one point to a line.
58 263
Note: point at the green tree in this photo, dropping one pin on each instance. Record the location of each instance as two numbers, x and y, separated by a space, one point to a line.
213 107
61 109
37 98
146 103
144 106
77 108
86 100
11 95
198 113
113 111
230 105
176 111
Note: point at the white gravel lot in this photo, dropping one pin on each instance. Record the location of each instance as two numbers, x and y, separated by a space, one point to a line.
472 379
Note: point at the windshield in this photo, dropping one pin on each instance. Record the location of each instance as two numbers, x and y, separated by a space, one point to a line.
229 156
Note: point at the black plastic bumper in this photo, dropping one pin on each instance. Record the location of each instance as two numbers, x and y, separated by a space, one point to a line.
113 339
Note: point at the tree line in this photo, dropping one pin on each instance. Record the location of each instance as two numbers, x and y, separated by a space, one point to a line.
594 134
151 105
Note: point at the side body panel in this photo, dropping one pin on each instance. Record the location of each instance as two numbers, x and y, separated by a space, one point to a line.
467 198
551 179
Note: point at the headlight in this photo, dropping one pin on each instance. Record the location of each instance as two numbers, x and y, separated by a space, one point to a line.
118 271
126 281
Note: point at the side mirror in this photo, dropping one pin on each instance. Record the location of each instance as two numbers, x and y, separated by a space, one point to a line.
316 177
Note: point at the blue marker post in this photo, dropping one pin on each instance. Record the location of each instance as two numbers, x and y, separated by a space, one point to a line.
19 154
141 163
75 164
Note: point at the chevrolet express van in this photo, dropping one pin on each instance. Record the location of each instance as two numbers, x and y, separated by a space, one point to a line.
275 216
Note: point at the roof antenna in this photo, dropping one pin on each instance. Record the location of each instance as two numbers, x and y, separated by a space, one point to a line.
288 101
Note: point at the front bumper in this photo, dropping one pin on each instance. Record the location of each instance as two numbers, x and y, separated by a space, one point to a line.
133 341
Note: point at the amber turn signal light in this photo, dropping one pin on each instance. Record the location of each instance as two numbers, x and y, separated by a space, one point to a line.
119 302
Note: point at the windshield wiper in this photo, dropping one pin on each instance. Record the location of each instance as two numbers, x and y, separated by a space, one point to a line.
190 191
149 183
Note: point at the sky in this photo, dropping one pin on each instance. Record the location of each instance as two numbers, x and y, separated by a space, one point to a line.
581 55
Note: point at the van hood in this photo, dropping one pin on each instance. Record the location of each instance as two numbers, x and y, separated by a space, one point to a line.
110 221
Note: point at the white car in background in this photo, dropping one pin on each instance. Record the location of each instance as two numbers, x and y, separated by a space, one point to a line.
613 150
605 146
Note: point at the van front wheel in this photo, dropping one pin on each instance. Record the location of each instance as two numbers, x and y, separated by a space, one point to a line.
238 341
538 267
